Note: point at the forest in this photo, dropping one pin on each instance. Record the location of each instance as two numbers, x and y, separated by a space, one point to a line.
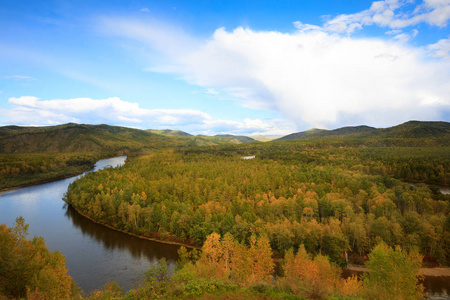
31 155
312 203
21 169
223 269
337 202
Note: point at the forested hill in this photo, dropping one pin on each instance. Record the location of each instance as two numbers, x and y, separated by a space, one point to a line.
237 138
436 133
205 140
80 138
169 132
104 138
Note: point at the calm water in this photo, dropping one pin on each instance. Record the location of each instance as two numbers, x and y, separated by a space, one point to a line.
94 253
445 190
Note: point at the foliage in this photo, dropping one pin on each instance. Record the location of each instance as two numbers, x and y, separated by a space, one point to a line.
313 277
333 201
28 268
406 134
111 290
81 138
20 169
316 201
227 259
392 272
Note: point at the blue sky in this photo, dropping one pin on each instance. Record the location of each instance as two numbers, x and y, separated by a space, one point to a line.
239 67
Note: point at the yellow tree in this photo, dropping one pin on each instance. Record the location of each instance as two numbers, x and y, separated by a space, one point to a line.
208 264
29 267
259 259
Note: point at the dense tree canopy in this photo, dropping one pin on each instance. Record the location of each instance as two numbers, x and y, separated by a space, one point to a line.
333 201
20 169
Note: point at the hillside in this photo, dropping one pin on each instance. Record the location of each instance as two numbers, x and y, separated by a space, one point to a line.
430 133
79 138
104 138
417 129
265 138
237 138
204 140
169 132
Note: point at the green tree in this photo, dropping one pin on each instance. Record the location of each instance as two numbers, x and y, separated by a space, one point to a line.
392 274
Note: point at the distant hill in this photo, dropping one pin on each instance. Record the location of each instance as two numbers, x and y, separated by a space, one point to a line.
205 140
79 138
417 129
169 132
105 138
102 138
265 138
315 132
237 138
433 132
303 134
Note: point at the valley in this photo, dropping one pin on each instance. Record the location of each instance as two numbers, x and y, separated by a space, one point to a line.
336 195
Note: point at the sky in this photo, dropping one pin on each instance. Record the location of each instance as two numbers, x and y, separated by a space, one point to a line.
213 67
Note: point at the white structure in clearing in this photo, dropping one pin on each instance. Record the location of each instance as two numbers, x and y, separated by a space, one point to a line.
249 157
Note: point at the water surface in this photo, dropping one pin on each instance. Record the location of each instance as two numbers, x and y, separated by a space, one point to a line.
94 253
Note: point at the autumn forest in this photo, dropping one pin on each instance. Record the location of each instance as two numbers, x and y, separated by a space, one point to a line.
279 225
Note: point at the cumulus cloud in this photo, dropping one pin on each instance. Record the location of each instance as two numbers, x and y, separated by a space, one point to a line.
29 110
311 75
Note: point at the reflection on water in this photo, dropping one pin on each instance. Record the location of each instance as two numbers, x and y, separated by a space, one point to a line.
438 286
445 190
115 240
94 253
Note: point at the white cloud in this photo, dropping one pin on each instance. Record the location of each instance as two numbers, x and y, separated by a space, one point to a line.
393 14
145 10
18 77
211 91
310 75
248 126
29 110
441 49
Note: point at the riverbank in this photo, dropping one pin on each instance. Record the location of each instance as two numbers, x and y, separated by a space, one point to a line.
429 272
42 181
136 235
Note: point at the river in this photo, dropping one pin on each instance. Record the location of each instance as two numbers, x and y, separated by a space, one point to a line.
95 253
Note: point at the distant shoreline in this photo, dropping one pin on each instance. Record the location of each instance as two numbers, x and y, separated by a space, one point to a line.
429 272
42 181
136 235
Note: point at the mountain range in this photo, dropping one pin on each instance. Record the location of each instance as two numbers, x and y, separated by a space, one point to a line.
408 130
105 138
